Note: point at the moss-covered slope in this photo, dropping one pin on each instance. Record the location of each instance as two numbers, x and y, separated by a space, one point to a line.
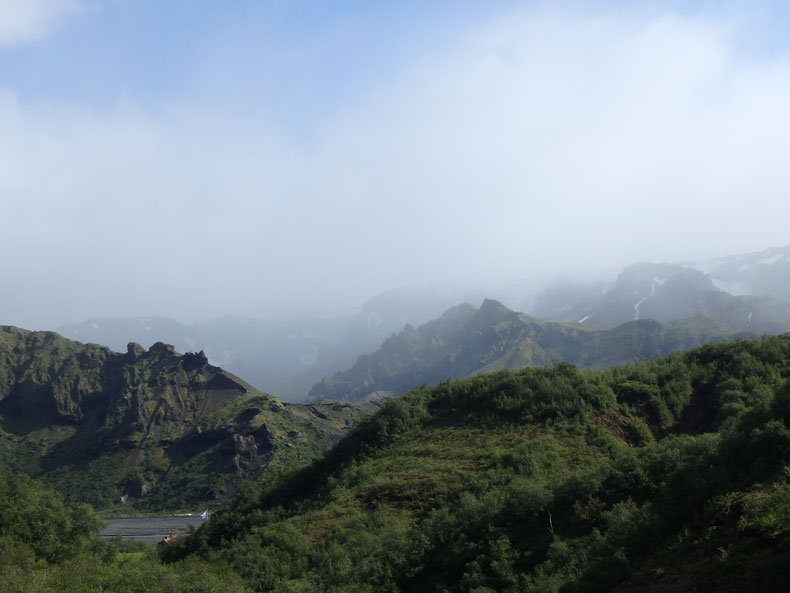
670 475
154 428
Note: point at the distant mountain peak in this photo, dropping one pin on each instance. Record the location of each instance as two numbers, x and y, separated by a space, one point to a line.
134 351
161 349
494 338
492 311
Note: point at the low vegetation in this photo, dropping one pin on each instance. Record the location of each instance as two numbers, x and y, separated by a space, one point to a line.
539 480
672 472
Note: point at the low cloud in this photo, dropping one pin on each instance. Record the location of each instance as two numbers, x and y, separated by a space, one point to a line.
537 143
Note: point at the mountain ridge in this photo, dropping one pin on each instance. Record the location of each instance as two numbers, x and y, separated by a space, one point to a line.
664 292
469 341
154 427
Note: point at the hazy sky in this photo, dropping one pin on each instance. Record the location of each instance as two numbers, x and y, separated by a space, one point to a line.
194 158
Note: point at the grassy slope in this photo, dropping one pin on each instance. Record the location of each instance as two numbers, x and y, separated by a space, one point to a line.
671 472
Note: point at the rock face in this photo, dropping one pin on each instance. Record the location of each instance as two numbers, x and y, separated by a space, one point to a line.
134 351
144 425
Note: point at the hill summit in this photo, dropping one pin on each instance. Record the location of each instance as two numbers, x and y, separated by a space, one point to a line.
157 428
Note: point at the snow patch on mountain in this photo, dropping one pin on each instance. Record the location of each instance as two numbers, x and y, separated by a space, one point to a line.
653 286
636 307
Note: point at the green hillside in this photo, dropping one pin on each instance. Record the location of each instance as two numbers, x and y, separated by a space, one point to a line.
152 429
47 546
669 475
466 341
665 476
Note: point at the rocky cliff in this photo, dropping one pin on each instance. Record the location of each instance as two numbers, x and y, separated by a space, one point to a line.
154 428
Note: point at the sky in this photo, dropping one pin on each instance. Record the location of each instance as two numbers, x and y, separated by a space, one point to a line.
196 158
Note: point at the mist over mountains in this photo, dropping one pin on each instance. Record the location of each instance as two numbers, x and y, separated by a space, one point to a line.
283 357
464 297
731 295
466 341
748 292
